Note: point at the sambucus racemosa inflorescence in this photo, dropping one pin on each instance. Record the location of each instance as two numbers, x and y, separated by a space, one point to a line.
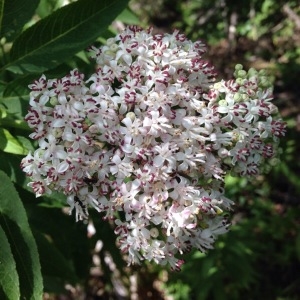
148 139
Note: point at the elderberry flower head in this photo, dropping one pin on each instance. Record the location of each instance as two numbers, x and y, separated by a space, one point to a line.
147 140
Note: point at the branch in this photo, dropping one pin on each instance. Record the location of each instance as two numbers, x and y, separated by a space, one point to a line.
292 15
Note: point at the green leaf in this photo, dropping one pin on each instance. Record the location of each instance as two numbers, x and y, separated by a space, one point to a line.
128 17
65 32
9 144
18 88
10 164
54 264
14 14
46 7
14 223
69 237
15 98
9 280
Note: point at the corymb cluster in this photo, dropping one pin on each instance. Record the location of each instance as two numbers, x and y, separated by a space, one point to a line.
148 139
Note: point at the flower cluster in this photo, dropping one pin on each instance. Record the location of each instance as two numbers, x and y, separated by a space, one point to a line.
148 139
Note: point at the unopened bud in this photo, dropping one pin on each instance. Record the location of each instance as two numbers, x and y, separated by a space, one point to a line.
154 232
130 115
238 67
114 47
242 74
237 97
53 101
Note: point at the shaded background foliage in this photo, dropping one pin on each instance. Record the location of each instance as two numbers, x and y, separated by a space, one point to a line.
260 257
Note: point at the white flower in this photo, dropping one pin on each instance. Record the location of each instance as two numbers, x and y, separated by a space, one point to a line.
121 168
190 158
165 153
147 140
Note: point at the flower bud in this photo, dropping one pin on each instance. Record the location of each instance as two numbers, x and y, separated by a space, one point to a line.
237 97
154 232
242 74
110 41
53 101
130 115
94 128
222 152
251 73
238 67
114 47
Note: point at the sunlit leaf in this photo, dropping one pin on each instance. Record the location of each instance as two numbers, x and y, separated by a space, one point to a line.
65 32
10 144
128 17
